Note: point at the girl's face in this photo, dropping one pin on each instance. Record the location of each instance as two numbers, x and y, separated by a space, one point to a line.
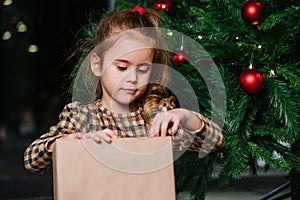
125 73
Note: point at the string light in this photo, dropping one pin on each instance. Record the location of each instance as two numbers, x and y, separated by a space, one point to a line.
33 48
170 33
7 2
6 35
272 73
21 27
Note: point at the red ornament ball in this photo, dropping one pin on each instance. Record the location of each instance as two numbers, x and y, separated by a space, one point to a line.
252 81
162 5
253 12
166 5
179 57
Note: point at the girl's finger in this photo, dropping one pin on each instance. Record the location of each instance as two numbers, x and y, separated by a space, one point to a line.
164 127
75 136
175 126
96 138
110 132
106 135
156 125
154 129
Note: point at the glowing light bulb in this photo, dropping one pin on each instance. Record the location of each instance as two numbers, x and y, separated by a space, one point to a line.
33 48
170 33
7 2
6 35
21 27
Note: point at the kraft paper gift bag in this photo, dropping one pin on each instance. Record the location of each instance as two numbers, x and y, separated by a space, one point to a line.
125 169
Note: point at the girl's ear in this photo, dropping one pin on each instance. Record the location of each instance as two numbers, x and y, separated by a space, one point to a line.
95 64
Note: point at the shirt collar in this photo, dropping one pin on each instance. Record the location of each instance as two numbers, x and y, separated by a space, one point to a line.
104 110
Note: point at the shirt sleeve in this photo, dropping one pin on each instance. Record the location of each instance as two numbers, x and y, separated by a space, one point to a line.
37 156
206 139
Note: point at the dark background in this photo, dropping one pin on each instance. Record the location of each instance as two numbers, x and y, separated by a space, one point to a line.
38 81
33 85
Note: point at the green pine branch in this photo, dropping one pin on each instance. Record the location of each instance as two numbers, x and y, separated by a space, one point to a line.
286 107
275 154
291 74
281 18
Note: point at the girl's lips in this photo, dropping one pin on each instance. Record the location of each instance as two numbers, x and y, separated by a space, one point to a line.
129 90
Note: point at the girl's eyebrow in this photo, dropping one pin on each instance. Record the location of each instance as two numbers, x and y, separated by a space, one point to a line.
126 61
121 60
145 64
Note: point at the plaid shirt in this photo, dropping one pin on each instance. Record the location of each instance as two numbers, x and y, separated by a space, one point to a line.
77 117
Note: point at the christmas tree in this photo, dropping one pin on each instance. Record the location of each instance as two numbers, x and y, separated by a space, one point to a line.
254 46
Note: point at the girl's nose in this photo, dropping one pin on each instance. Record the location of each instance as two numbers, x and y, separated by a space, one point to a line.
132 76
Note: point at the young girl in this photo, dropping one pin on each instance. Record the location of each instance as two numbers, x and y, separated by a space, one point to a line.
130 96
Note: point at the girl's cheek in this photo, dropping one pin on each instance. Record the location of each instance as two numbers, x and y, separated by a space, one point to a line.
145 77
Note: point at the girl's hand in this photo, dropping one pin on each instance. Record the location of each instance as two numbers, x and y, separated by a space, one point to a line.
172 119
165 120
98 136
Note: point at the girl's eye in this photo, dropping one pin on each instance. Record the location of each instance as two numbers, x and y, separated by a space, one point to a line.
122 68
143 70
